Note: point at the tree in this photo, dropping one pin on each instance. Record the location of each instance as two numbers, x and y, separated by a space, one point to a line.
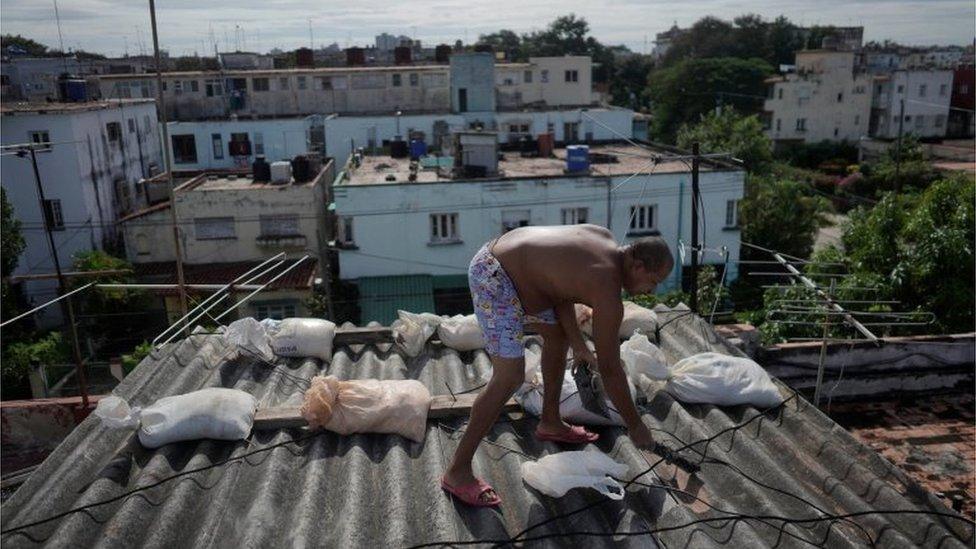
780 215
629 81
506 41
903 168
729 131
567 35
18 42
102 307
11 246
683 93
747 36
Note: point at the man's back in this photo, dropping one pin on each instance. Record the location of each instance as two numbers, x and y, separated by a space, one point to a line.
552 265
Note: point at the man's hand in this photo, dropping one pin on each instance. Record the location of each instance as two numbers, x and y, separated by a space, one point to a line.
641 436
583 354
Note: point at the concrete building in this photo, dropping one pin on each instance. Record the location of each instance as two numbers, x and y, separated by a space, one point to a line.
386 42
473 82
234 144
827 98
35 79
230 223
926 95
245 60
99 153
962 103
545 81
441 220
663 40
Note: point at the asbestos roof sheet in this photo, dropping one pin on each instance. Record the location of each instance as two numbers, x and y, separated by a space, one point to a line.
382 491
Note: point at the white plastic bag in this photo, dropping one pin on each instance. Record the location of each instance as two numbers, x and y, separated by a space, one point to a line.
303 337
216 413
556 474
367 406
251 336
115 413
713 378
634 318
461 333
411 331
640 356
571 408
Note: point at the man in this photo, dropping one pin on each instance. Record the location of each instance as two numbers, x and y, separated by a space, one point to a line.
535 275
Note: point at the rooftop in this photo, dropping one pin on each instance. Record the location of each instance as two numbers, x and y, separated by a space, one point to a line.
230 181
13 108
625 160
370 490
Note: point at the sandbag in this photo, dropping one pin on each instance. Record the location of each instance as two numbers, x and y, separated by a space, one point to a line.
115 413
640 356
571 408
215 413
461 332
367 406
635 318
556 474
250 336
302 337
713 378
411 331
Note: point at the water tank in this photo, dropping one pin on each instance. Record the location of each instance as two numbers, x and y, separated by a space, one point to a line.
301 169
304 57
417 148
442 54
355 56
398 149
281 172
401 55
261 169
577 158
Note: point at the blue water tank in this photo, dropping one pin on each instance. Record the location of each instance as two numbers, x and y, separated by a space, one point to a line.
417 148
577 158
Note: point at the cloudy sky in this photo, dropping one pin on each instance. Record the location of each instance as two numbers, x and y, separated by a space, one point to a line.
112 26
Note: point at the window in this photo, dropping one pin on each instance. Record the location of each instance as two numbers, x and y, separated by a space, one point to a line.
52 214
324 82
185 149
218 146
258 143
277 311
731 213
840 97
572 216
894 119
779 93
114 131
340 83
346 235
414 79
283 83
508 81
39 137
214 88
178 87
527 77
943 89
572 76
920 121
260 84
901 88
164 85
939 120
302 84
396 80
643 218
280 225
545 76
214 228
921 90
194 85
779 124
142 245
443 228
513 219
132 125
857 119
836 132
801 124
858 90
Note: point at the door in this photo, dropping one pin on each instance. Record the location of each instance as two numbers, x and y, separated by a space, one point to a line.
463 100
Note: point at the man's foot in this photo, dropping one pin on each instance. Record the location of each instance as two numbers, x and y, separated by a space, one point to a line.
563 432
470 489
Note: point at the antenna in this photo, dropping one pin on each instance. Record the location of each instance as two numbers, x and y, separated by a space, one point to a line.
57 17
311 42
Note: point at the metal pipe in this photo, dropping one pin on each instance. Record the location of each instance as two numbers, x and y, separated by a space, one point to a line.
265 285
204 287
45 304
695 192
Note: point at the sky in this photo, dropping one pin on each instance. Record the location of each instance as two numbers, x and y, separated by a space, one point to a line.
187 26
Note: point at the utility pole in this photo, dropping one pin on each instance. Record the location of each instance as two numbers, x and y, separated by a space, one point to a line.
161 107
901 127
66 307
695 199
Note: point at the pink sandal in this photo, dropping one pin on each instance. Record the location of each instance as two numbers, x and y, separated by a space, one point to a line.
576 435
470 494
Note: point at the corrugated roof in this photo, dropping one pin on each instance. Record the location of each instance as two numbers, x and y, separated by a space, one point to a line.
381 296
382 491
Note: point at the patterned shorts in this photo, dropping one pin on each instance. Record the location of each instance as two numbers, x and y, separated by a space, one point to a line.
498 308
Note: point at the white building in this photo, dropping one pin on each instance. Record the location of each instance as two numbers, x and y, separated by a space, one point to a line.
91 173
215 144
827 98
245 60
545 82
400 236
386 42
926 95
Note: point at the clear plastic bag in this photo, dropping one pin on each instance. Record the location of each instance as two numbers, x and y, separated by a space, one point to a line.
461 333
214 413
250 336
411 331
556 474
640 356
115 413
713 378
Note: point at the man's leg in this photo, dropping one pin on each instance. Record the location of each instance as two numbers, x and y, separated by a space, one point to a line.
507 375
554 347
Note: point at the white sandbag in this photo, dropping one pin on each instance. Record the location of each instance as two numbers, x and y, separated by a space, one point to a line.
367 406
635 318
556 474
115 413
303 337
571 408
215 413
461 332
250 336
640 356
713 378
411 331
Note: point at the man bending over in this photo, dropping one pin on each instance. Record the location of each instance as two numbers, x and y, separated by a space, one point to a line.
535 275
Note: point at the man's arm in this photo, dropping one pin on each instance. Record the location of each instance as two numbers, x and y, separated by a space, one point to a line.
566 315
607 315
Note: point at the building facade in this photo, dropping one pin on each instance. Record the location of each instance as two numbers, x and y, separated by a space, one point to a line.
962 102
234 144
925 95
91 172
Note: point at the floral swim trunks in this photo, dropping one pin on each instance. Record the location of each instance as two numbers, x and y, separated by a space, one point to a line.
498 308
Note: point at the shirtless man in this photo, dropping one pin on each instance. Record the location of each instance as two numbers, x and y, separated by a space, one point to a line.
535 275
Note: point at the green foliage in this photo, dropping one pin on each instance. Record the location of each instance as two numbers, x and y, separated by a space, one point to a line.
745 37
780 215
131 360
729 131
709 289
103 306
629 81
689 89
345 302
11 239
33 48
671 299
18 357
832 156
903 168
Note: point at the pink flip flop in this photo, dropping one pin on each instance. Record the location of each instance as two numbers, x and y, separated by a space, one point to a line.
576 435
470 493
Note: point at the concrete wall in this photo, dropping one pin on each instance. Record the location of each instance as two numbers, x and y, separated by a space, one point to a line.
480 206
547 83
926 112
473 74
282 138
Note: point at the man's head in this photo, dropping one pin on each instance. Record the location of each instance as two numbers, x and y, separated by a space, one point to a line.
647 262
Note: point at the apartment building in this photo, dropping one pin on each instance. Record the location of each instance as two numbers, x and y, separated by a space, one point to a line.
545 81
92 159
920 97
